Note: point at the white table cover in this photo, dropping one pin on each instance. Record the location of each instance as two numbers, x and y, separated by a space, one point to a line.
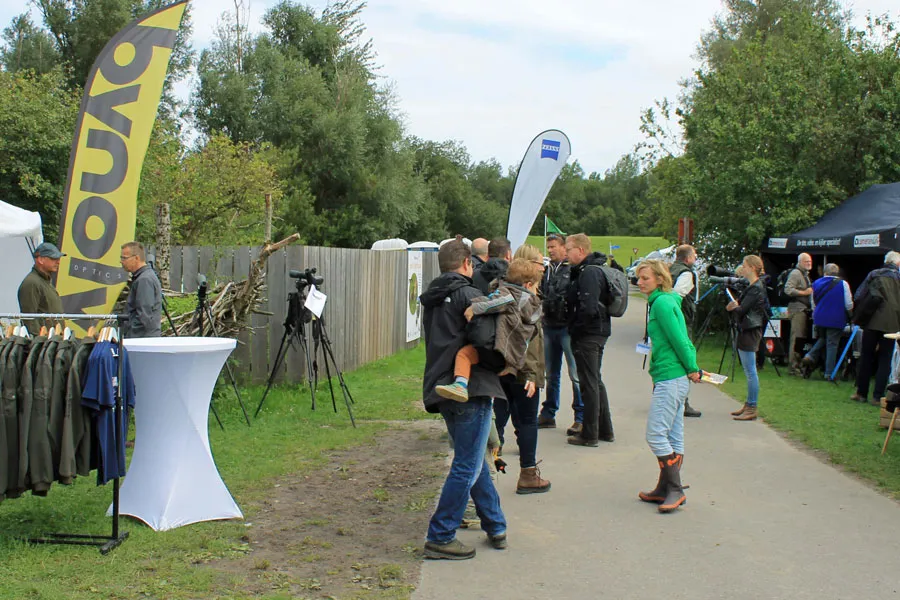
172 479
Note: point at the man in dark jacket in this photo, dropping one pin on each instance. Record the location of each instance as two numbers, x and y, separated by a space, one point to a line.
144 305
479 253
590 327
468 423
557 343
684 281
37 294
878 299
499 255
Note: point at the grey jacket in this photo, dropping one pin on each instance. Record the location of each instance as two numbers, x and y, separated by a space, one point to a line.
798 281
144 306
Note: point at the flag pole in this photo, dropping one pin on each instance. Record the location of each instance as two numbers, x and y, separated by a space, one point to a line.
545 234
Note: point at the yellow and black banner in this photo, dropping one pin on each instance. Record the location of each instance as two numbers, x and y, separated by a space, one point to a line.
121 99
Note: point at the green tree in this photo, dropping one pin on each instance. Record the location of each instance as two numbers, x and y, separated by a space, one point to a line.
37 117
27 47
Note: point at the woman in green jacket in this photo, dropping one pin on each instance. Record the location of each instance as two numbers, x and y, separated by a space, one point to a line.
673 365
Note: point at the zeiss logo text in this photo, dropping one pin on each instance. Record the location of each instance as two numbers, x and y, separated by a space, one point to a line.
550 149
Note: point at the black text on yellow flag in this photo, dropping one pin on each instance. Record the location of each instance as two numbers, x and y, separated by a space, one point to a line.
121 98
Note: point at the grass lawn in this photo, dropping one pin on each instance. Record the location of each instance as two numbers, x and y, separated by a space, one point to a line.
625 253
818 414
287 438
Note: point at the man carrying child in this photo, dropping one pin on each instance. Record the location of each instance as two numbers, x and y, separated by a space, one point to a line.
468 423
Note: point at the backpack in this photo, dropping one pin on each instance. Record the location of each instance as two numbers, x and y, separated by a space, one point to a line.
781 297
617 286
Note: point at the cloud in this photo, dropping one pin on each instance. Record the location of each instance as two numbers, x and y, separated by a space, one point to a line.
494 73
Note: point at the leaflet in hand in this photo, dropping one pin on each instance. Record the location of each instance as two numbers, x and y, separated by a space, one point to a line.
713 378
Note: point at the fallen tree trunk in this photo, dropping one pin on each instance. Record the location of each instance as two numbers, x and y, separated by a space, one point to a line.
231 303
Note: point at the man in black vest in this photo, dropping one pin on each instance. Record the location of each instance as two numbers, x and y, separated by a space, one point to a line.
684 280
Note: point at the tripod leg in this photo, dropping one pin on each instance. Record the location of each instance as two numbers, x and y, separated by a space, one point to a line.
279 358
330 385
212 325
215 413
165 308
304 343
348 398
724 351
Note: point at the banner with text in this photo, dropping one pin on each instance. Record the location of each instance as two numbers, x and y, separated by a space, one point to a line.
121 99
546 156
414 307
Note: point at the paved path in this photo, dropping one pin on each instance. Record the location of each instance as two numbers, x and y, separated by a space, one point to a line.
764 520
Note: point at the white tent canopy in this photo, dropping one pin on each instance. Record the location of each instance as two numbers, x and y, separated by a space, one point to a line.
391 244
20 233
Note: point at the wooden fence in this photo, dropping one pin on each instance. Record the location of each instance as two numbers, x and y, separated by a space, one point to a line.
365 315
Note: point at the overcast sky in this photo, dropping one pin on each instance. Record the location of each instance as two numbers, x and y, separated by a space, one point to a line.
494 73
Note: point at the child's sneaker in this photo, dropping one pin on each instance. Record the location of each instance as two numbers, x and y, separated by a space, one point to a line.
455 391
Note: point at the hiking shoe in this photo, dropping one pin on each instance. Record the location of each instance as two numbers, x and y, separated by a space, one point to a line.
749 414
546 422
498 542
530 482
690 411
455 391
577 440
740 411
452 550
575 429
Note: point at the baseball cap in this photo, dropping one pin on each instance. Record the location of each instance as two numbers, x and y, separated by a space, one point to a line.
48 250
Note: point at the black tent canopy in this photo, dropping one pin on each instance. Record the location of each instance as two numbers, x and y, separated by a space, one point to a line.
866 224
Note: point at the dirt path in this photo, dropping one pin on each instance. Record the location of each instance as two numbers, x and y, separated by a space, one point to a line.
353 529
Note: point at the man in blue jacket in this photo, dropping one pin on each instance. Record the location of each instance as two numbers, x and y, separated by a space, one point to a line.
833 303
468 423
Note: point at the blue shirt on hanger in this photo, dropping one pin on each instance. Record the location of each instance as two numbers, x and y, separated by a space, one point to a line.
100 384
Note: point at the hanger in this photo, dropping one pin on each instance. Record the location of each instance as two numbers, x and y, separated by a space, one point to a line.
67 334
92 332
58 329
51 333
10 330
43 330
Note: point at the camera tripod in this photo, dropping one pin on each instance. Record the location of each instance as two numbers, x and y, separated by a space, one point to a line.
203 310
295 332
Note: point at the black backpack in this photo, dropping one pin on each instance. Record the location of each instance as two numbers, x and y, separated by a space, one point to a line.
781 297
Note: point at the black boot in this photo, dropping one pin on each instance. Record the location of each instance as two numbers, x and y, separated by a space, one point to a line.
658 494
690 411
672 474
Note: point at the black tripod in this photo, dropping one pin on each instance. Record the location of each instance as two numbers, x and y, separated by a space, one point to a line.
203 309
294 330
320 337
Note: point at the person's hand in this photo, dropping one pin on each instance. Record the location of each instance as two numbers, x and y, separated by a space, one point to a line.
470 312
530 389
732 305
695 376
807 292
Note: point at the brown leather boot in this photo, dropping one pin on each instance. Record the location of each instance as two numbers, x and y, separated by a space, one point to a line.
530 482
739 411
749 414
671 472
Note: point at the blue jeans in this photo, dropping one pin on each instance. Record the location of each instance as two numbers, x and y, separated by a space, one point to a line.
748 361
665 422
830 340
557 344
469 425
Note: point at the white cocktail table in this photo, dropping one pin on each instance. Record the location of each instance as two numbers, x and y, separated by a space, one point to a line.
172 479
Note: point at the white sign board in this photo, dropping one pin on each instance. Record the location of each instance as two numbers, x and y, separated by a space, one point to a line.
414 290
773 329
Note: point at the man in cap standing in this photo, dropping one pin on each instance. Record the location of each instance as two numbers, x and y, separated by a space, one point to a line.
37 294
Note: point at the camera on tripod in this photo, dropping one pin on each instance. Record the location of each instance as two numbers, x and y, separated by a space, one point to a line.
306 277
726 278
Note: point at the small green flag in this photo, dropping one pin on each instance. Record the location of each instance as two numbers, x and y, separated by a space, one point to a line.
552 228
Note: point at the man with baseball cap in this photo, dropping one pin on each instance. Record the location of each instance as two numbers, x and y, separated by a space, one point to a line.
37 293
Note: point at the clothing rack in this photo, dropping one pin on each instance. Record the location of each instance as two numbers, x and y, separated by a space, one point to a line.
105 543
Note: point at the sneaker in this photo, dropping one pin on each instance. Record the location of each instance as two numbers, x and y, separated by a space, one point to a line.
452 550
577 440
455 391
575 429
546 422
498 542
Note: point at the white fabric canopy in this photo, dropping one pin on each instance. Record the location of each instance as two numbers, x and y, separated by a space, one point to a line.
20 233
172 479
